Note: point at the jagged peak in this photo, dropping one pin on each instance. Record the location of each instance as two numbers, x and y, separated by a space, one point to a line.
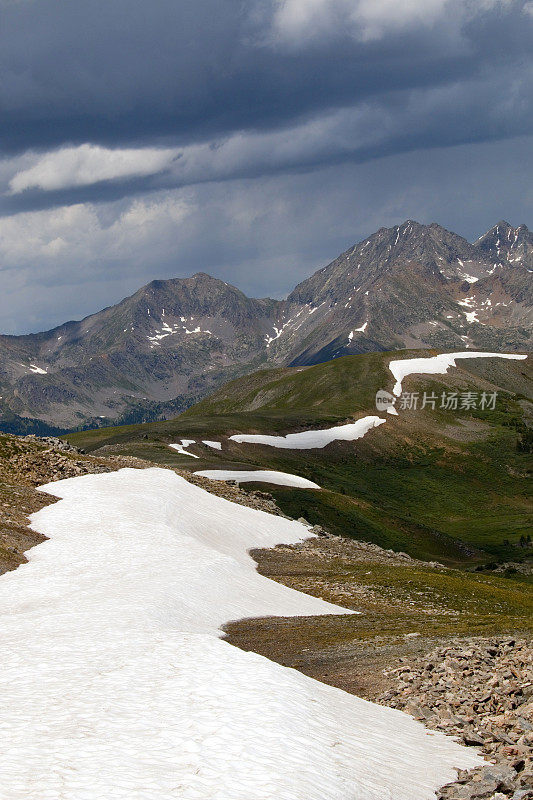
503 231
500 229
407 230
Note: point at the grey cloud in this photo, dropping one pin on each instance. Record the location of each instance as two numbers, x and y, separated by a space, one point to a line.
420 118
176 72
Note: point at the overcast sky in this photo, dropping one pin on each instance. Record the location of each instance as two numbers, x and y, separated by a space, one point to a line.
251 139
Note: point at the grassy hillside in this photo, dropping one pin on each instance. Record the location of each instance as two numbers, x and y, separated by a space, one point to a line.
452 486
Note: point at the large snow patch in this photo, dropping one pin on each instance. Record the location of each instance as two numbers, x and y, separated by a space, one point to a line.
114 684
436 365
307 440
258 475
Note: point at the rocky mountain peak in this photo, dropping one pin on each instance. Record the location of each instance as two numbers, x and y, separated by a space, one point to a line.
431 246
434 249
198 295
504 244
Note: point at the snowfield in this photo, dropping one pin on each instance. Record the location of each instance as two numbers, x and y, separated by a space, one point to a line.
259 475
115 685
436 365
307 440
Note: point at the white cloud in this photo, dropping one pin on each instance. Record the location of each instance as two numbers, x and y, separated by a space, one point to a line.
77 233
221 159
88 164
302 21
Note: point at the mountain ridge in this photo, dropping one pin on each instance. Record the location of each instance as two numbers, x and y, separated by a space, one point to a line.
174 341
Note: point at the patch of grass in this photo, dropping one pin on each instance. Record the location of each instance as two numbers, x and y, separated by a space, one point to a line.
404 608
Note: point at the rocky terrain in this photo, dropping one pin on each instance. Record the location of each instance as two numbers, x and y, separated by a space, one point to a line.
477 689
481 692
155 353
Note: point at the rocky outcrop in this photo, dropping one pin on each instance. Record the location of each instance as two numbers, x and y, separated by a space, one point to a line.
481 692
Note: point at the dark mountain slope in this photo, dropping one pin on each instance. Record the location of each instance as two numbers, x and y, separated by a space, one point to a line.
413 285
172 339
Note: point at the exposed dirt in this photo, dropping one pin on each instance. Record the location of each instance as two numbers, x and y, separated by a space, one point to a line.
344 651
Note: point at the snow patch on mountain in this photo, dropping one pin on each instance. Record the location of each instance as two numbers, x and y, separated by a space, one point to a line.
168 330
307 440
362 329
259 476
181 447
436 365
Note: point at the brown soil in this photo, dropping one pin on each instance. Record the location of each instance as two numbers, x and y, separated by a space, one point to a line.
343 651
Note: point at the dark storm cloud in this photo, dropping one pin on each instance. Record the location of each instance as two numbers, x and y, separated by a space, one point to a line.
128 71
485 108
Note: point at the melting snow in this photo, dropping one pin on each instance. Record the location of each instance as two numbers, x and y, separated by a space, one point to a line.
471 316
362 329
38 370
167 330
278 332
115 685
259 475
181 447
290 322
215 445
308 440
436 365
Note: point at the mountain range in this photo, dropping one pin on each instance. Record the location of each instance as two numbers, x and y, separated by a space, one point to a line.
174 341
